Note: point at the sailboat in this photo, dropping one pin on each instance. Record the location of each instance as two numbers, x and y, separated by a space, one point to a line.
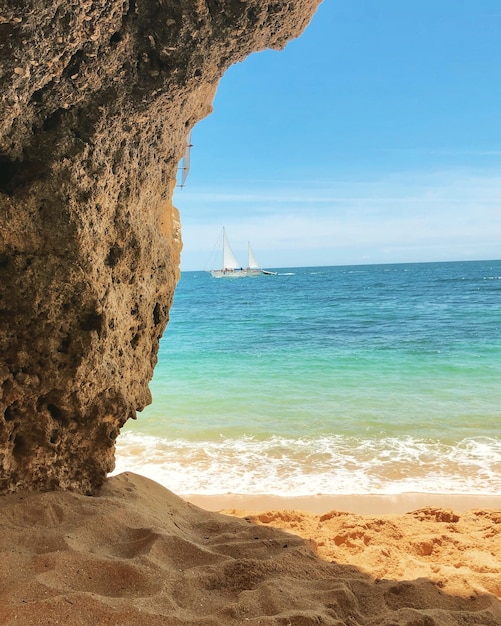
231 267
185 161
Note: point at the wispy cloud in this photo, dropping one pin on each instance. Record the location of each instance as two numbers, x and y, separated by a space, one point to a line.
432 216
445 152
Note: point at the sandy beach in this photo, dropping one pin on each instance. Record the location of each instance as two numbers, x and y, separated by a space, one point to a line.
136 554
370 504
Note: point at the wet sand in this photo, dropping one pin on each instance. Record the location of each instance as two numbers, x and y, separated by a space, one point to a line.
361 504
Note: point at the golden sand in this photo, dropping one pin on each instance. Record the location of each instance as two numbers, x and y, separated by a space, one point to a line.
139 555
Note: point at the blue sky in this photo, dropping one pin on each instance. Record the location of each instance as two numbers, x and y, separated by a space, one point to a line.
373 138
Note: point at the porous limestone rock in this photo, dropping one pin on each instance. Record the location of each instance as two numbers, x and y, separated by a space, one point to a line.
96 100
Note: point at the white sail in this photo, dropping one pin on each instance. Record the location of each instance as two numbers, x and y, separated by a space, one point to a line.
185 163
232 269
252 263
229 260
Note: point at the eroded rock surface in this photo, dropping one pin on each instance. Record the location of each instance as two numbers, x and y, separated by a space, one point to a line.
97 97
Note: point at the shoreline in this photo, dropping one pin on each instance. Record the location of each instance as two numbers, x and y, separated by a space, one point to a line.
359 504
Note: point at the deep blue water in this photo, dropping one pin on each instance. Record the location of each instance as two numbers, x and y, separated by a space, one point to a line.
360 379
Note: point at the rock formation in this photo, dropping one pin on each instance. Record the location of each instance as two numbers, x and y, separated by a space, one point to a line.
96 100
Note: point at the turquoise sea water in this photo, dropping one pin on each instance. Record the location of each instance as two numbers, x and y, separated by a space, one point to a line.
328 380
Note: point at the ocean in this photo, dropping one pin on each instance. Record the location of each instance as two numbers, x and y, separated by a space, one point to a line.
379 379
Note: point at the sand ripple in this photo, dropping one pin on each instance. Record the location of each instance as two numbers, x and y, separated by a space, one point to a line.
139 555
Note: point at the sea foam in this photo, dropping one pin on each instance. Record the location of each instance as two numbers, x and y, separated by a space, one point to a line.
308 466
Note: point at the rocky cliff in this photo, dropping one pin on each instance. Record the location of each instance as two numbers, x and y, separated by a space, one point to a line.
97 98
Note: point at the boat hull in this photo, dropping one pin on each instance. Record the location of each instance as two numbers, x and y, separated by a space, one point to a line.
229 273
238 273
